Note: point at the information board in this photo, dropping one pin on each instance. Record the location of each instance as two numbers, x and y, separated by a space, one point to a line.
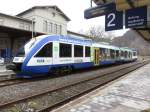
136 17
99 10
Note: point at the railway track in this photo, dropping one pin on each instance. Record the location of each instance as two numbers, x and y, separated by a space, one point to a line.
10 81
64 94
14 81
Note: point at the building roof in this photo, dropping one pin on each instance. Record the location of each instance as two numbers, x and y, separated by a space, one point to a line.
43 7
15 17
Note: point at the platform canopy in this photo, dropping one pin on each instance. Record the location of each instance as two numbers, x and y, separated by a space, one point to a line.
122 5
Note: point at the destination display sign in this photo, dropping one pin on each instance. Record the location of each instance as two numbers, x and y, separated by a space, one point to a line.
136 17
114 20
99 10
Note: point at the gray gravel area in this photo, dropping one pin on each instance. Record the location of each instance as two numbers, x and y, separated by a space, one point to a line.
35 104
19 91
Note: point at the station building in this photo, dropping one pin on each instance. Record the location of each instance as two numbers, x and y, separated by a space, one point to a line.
38 20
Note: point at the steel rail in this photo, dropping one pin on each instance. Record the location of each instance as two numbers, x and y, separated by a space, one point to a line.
116 74
137 65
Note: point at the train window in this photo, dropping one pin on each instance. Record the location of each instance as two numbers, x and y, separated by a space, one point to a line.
65 50
87 51
112 53
46 51
108 53
103 53
78 51
129 54
126 54
117 53
134 54
122 53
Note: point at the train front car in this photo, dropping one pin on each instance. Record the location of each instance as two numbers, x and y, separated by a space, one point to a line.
54 53
22 55
18 59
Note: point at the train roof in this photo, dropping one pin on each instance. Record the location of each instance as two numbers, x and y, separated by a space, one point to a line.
125 49
105 46
75 40
66 38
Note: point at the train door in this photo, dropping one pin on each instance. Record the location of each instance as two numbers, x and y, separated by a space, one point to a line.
96 56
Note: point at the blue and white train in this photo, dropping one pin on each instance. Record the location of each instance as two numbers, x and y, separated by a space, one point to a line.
55 53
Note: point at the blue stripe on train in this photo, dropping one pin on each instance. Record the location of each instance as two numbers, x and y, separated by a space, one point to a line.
43 70
37 70
106 62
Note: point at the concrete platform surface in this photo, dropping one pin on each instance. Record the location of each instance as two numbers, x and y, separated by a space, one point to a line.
130 93
5 72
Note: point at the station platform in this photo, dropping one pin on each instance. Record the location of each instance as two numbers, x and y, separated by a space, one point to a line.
5 73
130 93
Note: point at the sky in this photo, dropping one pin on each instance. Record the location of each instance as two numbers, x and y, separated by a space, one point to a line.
74 9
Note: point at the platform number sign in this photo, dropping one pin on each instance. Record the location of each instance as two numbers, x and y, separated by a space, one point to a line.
112 17
114 20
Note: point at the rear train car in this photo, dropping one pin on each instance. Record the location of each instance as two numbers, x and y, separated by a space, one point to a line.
127 54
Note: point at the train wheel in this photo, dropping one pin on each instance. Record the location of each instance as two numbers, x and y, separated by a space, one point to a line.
69 70
61 70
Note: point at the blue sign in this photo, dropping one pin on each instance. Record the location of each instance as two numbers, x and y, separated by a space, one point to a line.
99 10
114 20
136 17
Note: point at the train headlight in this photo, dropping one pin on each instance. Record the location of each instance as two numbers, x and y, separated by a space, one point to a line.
16 59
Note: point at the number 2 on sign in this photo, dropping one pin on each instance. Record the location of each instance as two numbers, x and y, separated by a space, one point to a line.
111 16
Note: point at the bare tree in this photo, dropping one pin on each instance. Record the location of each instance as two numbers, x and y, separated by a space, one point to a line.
98 33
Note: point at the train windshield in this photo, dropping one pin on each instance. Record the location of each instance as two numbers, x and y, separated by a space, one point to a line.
25 48
21 52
